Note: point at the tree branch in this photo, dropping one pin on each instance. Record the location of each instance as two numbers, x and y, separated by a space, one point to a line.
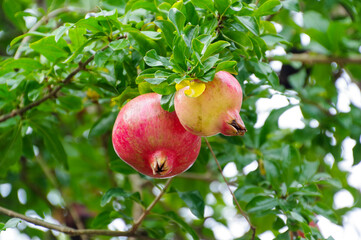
308 58
52 93
244 214
67 230
149 208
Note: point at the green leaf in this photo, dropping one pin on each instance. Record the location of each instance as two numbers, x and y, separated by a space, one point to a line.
10 8
273 79
283 236
118 44
194 201
101 57
296 216
18 38
103 124
273 39
10 147
228 66
128 93
292 5
180 51
239 38
78 51
315 20
142 43
51 49
177 18
205 4
214 48
209 63
356 153
167 30
152 34
155 81
77 38
250 23
90 24
298 79
192 15
261 203
121 167
267 8
153 59
222 6
71 103
209 76
172 216
119 192
167 102
60 31
51 140
103 219
271 124
27 64
163 88
197 46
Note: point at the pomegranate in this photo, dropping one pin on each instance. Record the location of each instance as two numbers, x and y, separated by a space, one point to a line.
216 110
152 140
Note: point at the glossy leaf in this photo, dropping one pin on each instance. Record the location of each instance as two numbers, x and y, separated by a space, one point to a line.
51 140
51 49
194 201
116 193
268 7
10 147
103 124
177 18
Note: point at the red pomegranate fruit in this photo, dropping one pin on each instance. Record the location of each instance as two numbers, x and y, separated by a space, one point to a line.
152 140
216 110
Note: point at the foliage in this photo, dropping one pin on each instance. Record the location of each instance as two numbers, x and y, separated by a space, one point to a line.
62 84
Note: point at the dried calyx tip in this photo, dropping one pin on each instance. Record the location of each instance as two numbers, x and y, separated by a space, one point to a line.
160 166
241 129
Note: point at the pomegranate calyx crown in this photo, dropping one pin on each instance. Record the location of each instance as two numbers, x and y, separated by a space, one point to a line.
160 164
240 129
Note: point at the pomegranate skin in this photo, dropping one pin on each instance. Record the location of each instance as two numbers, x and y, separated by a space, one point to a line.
216 110
152 140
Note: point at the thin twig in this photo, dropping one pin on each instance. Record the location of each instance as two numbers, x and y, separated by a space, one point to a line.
65 229
44 19
150 207
244 214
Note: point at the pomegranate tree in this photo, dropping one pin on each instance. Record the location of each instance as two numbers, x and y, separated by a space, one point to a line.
216 110
152 140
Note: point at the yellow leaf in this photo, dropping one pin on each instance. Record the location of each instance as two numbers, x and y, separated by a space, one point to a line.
182 84
195 89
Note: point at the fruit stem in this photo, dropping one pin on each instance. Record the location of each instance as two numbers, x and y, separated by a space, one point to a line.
243 213
139 221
